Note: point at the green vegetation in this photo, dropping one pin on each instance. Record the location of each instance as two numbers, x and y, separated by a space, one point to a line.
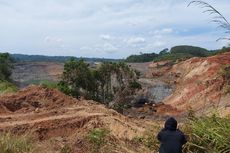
49 84
7 87
42 58
193 51
225 72
66 149
208 135
135 85
15 144
223 50
97 137
176 53
98 84
173 57
149 139
5 66
141 58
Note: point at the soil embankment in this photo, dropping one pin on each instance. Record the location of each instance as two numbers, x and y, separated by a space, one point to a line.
48 114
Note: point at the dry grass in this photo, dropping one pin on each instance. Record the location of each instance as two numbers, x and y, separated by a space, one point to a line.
16 144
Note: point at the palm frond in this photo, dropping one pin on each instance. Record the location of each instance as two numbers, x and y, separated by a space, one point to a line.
217 18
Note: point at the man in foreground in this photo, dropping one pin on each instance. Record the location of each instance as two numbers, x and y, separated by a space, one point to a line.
171 138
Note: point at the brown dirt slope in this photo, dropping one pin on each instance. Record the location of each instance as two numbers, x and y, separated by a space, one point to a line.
199 85
50 115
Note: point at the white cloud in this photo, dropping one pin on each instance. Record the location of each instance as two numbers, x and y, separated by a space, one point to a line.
85 48
119 26
109 48
105 37
57 40
163 31
135 40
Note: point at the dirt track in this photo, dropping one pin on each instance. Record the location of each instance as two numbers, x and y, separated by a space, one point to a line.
48 114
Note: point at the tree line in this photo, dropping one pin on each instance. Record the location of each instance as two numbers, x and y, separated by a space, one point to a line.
176 53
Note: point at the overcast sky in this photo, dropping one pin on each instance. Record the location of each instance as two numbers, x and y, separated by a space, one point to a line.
105 28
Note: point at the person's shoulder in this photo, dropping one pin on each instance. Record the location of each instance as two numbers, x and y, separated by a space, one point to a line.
180 132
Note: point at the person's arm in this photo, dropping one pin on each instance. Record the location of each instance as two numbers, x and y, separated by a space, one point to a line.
183 139
159 135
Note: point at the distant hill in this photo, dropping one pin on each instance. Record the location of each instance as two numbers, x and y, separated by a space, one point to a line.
43 58
177 52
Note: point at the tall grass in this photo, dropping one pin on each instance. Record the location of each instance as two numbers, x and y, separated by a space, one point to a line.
208 135
15 144
7 87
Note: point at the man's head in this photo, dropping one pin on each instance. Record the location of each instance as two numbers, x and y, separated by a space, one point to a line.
171 124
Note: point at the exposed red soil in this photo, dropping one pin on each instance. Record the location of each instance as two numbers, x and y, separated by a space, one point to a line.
49 114
199 86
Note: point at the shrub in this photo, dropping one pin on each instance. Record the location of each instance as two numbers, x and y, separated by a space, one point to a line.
7 87
121 107
97 138
15 144
5 66
49 84
208 135
135 85
225 72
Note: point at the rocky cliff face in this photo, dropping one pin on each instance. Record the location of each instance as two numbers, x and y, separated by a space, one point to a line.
199 85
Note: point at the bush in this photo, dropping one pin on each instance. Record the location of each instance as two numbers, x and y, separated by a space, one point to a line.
49 84
135 85
5 66
208 135
225 72
7 87
14 144
97 138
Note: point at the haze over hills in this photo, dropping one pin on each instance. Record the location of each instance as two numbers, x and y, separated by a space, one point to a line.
43 58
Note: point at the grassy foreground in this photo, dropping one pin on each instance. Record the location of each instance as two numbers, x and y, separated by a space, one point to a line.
15 144
208 135
205 135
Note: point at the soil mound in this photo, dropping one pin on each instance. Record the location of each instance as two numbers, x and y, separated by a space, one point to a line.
50 115
32 98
